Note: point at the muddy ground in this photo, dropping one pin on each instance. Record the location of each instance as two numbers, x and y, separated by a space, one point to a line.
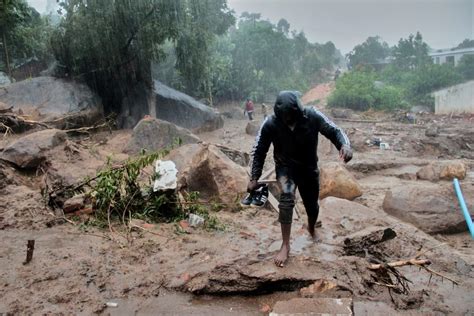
77 269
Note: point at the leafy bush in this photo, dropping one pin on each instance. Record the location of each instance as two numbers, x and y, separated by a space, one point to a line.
466 67
356 90
421 82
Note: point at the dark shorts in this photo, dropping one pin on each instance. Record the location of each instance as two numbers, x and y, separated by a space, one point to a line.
307 182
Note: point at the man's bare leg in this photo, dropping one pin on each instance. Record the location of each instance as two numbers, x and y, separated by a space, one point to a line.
312 226
282 256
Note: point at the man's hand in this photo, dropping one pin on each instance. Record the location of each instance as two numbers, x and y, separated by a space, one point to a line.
253 184
345 153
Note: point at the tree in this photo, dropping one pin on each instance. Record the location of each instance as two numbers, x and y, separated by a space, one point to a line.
198 33
466 66
467 43
369 52
12 14
283 26
412 52
111 43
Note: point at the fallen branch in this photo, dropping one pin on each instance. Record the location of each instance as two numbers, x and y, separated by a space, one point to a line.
87 129
438 274
401 263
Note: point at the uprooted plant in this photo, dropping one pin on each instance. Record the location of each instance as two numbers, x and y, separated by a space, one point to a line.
120 192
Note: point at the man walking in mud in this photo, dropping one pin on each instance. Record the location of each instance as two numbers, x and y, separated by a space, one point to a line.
293 131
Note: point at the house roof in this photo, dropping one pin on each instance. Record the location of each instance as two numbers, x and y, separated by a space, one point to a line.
446 52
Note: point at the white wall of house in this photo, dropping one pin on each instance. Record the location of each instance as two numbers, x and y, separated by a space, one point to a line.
455 99
450 56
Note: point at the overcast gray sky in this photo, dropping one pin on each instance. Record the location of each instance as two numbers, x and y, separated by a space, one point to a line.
443 23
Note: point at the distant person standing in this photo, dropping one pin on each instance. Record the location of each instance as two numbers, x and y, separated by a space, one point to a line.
249 108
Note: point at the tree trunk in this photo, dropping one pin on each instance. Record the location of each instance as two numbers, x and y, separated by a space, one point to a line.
7 61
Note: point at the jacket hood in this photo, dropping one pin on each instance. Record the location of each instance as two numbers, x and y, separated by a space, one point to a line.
288 101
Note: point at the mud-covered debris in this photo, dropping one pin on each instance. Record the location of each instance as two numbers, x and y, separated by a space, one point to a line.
73 204
366 244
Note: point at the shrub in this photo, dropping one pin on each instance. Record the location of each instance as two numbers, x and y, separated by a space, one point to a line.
356 90
466 67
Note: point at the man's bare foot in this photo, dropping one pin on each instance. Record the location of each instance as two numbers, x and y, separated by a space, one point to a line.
312 230
282 256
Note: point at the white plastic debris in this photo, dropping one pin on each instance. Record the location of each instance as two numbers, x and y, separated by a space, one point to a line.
195 220
111 304
167 176
384 146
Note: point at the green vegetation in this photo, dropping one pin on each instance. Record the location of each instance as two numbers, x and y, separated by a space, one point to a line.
408 80
358 90
255 59
24 34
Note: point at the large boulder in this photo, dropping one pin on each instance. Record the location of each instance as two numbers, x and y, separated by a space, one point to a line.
430 207
154 134
4 80
181 109
69 104
336 180
214 175
443 170
30 151
252 128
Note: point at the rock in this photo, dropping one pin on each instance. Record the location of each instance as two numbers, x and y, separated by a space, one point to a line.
336 181
313 306
183 155
181 109
30 151
214 175
432 131
4 80
252 128
74 204
239 157
48 99
342 113
430 207
154 134
444 170
454 169
429 172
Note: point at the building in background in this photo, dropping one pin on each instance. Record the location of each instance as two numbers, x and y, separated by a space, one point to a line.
450 56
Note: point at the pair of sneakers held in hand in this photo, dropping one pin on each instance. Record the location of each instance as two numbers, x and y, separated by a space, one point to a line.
257 197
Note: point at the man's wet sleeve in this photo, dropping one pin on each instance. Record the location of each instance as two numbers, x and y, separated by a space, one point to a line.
260 149
331 131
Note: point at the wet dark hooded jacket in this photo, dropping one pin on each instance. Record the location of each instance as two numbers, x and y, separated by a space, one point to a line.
294 150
